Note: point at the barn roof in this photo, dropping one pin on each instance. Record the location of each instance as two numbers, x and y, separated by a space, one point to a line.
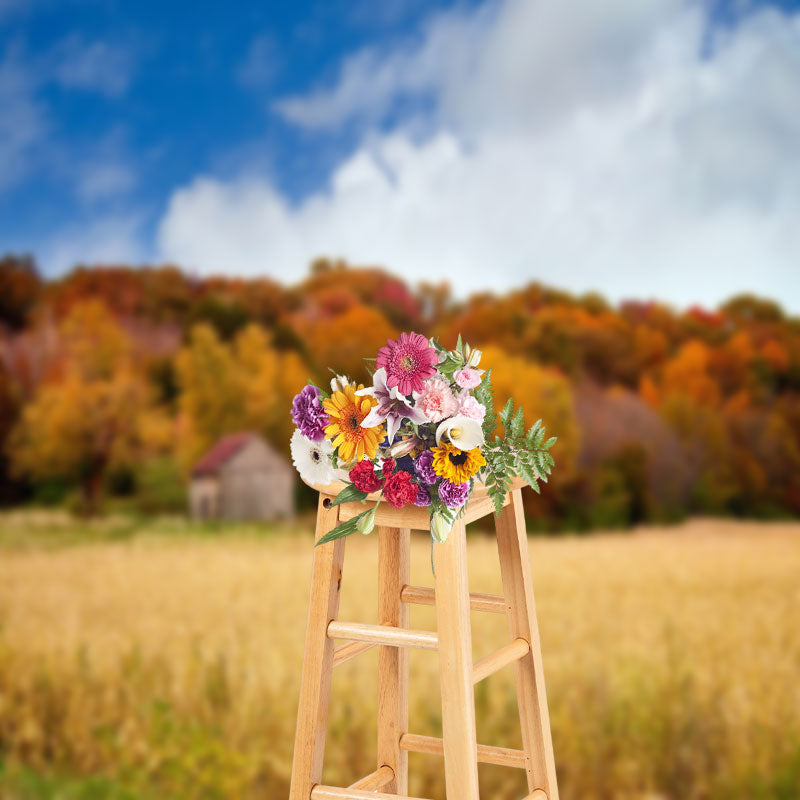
222 452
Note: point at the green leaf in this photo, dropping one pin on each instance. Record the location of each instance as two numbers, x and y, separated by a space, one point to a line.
459 344
343 529
508 410
550 442
485 396
518 423
348 495
323 392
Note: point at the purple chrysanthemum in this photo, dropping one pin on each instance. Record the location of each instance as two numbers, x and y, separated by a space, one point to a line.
423 496
453 495
423 466
308 414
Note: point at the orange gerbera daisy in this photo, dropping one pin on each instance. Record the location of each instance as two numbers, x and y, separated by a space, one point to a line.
346 412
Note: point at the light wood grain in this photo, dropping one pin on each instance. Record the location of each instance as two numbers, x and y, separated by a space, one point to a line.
499 659
455 666
382 634
375 781
421 595
453 603
487 754
332 793
418 519
512 543
478 488
345 652
315 681
480 506
394 567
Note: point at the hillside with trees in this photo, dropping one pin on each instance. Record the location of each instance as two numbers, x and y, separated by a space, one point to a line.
114 380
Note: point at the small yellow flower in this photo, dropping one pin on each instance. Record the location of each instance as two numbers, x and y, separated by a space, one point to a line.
346 412
457 466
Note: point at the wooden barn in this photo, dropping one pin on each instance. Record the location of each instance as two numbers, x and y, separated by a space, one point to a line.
242 478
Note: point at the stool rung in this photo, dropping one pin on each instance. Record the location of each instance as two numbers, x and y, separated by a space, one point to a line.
320 792
375 780
501 756
350 650
518 649
383 634
478 602
539 794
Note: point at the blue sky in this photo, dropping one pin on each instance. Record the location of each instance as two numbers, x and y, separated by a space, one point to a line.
160 92
638 151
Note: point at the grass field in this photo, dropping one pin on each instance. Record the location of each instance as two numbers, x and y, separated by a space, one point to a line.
161 661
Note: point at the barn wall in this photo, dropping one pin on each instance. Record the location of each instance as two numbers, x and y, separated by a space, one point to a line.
257 484
204 498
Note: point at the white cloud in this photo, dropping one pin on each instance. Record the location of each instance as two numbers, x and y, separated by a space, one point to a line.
23 121
95 66
101 180
261 64
105 240
587 145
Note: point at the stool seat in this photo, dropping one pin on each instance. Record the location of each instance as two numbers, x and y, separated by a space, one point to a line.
413 517
452 640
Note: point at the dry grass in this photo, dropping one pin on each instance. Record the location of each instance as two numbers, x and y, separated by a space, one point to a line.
171 663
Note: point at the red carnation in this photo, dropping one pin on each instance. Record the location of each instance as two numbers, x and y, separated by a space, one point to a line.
364 478
388 467
399 491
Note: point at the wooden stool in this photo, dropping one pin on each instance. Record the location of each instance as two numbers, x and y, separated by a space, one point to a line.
453 640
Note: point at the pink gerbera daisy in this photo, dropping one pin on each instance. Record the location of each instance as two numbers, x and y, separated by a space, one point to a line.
408 362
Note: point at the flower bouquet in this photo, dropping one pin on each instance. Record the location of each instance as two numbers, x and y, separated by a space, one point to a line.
422 434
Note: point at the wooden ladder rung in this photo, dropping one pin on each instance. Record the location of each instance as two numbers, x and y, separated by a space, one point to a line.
345 652
320 792
518 649
477 601
383 634
501 756
539 794
375 780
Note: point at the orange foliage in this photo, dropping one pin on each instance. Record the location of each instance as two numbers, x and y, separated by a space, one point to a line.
205 357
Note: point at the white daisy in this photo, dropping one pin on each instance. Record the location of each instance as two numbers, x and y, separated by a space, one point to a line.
312 459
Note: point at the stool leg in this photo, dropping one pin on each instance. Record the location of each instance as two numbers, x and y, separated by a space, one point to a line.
393 573
315 683
512 543
455 666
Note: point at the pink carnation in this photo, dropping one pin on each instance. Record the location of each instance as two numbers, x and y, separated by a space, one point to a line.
468 378
437 400
408 361
468 406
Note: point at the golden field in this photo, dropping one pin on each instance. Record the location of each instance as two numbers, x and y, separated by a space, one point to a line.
162 661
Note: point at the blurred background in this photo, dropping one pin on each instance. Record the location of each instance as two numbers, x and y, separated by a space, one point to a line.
203 206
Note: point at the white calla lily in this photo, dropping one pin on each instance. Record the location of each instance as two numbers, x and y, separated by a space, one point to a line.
461 431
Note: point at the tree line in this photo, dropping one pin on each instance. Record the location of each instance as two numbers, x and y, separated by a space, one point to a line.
114 380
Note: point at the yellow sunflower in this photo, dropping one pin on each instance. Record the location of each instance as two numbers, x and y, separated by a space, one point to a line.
346 412
457 466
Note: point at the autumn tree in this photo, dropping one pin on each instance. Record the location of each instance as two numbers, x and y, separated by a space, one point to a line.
20 287
541 392
224 388
85 421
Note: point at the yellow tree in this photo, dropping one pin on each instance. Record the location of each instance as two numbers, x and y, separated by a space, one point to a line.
542 393
248 385
85 421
